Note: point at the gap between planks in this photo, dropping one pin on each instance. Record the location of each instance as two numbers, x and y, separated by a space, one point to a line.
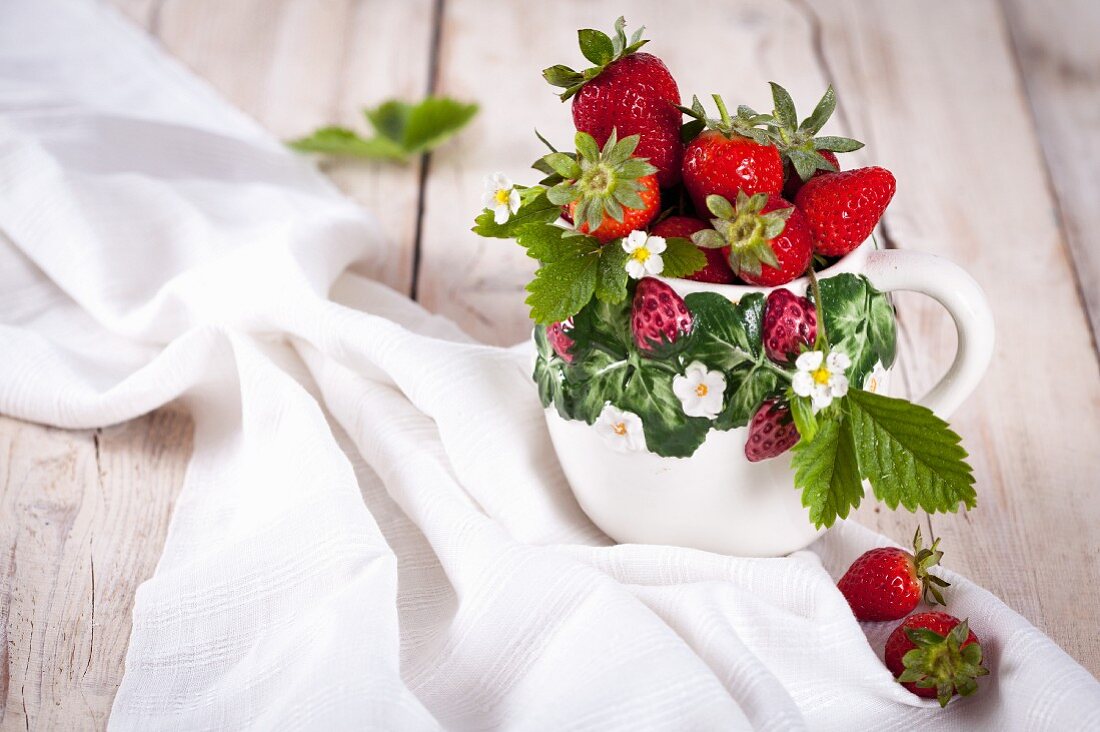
426 159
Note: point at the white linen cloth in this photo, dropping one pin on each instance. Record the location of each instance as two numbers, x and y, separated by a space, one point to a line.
374 531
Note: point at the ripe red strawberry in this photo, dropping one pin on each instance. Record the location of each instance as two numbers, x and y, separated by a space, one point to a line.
717 163
632 218
771 433
636 95
768 240
658 316
935 656
842 209
790 322
718 267
794 180
628 91
560 341
887 583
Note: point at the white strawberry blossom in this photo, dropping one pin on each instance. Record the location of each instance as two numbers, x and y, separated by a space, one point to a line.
621 430
700 390
500 196
645 254
821 377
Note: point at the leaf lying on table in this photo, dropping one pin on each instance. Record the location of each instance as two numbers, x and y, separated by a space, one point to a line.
403 130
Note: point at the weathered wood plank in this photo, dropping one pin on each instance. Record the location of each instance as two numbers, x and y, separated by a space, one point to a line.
295 65
1059 61
84 517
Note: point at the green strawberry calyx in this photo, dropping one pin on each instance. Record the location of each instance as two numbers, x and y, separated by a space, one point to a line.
743 228
796 141
598 48
940 662
746 123
600 181
924 558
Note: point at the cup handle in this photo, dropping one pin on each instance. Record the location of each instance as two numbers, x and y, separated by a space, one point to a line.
962 297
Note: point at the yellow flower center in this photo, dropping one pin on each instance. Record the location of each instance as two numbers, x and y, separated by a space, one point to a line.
873 386
701 390
619 428
641 254
502 196
821 375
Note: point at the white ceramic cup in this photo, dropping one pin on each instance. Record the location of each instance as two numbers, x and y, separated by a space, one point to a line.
718 501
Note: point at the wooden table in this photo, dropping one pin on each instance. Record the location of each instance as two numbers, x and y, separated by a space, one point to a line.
986 112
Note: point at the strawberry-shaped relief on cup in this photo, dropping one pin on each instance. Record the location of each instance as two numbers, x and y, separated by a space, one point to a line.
790 325
658 316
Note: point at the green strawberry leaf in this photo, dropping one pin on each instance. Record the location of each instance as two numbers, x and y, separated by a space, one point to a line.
691 130
561 288
535 208
805 421
807 163
563 164
668 431
596 46
910 456
403 130
784 112
837 144
747 385
342 141
681 258
860 322
429 123
562 76
599 49
827 472
547 243
721 337
593 381
821 114
548 374
612 278
605 326
797 145
728 337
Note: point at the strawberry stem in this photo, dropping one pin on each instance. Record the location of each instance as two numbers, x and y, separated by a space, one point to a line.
821 343
726 121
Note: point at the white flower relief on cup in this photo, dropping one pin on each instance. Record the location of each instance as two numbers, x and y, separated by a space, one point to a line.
500 196
645 254
700 390
621 430
821 378
873 381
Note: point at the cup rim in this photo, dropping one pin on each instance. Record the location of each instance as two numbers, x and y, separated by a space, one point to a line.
850 262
